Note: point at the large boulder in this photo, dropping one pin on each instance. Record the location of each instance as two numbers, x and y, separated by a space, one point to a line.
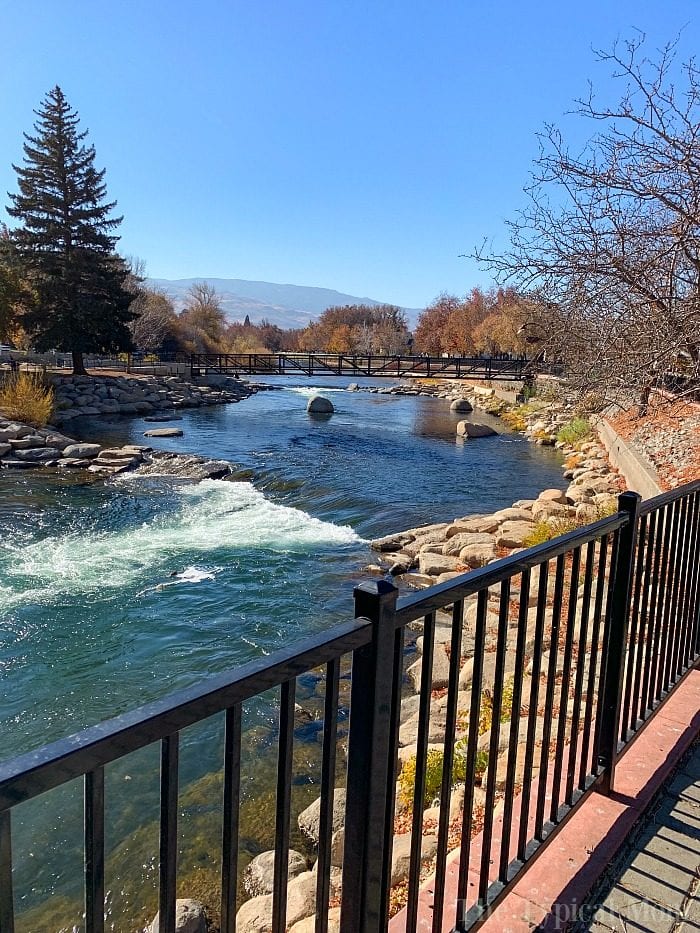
472 429
259 875
81 450
457 543
163 432
512 534
318 405
310 818
189 918
461 404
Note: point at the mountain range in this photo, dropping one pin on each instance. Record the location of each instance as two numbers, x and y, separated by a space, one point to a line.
284 305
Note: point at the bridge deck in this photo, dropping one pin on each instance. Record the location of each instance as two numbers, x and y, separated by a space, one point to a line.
332 364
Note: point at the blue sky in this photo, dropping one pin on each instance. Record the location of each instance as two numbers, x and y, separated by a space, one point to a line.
354 145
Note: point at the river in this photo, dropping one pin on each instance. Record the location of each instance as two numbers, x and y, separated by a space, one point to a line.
113 594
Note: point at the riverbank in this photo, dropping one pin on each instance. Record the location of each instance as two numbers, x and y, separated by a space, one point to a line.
23 446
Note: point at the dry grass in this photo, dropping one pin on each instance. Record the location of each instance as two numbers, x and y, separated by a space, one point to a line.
26 397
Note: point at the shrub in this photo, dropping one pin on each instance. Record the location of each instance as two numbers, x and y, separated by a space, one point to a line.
577 430
545 530
26 397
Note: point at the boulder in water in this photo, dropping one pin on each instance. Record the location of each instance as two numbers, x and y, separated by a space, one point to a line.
472 429
318 405
461 404
164 432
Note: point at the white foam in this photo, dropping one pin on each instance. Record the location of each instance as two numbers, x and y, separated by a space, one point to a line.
313 390
211 516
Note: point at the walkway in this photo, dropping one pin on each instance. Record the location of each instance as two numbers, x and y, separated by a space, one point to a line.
655 885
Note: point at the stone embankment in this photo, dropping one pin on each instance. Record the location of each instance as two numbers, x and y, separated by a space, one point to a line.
157 398
118 395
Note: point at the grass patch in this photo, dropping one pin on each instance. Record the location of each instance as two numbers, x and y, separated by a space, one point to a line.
26 397
576 431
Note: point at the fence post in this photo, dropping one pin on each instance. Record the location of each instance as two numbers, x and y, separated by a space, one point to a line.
366 868
613 662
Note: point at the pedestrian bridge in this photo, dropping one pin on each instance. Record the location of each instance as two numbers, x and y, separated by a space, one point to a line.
338 364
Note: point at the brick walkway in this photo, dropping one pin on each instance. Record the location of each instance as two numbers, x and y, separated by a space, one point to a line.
654 887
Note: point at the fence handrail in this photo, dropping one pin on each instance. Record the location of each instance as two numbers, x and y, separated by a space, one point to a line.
34 772
666 498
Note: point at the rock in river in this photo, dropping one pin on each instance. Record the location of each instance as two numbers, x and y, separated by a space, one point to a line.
318 405
164 432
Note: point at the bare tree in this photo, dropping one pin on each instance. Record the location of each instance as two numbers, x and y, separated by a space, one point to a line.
609 242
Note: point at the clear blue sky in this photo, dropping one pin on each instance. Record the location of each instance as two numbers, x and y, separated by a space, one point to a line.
350 144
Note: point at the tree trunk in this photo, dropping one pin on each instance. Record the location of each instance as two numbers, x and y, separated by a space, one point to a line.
644 400
78 365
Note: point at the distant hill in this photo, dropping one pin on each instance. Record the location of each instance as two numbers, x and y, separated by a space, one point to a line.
284 305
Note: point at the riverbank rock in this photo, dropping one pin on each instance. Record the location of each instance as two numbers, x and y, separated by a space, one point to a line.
185 466
472 429
189 918
260 873
310 819
318 405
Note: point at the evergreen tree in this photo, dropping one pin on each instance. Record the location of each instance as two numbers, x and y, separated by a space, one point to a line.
66 241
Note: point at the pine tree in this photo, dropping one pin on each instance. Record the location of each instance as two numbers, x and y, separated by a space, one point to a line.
67 241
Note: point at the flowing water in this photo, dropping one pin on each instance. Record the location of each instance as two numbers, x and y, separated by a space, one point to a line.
113 594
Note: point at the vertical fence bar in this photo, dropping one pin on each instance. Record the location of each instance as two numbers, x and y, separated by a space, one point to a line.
448 759
653 636
549 696
519 665
470 767
283 806
94 851
647 527
672 557
325 833
580 669
564 692
421 764
693 574
371 747
678 572
532 711
613 660
498 677
634 644
661 607
229 842
7 909
169 762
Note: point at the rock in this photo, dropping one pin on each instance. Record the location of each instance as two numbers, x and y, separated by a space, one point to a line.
513 515
338 847
29 441
259 875
546 508
160 418
461 404
440 673
5 449
553 495
301 897
434 564
187 466
310 819
401 855
82 450
38 454
318 405
512 534
255 916
392 542
163 432
456 543
353 387
476 524
13 430
189 918
477 555
308 925
472 429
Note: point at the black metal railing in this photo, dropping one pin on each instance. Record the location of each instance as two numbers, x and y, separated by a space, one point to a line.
535 673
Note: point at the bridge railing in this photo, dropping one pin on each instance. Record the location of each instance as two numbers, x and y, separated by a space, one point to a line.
535 674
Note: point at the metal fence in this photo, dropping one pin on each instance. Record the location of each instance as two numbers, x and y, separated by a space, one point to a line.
556 658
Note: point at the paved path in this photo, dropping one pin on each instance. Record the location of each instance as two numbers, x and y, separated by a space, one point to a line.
655 886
